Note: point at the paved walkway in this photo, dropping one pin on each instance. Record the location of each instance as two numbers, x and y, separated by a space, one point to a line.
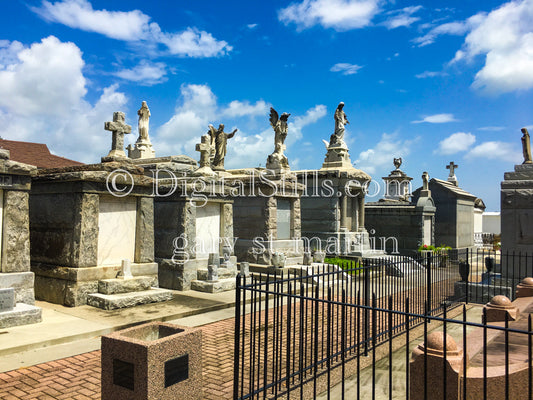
78 377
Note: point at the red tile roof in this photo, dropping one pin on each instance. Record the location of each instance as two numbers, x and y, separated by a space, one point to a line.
35 154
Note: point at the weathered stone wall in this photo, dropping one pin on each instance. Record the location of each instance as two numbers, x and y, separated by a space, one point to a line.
319 214
405 223
144 236
15 232
251 217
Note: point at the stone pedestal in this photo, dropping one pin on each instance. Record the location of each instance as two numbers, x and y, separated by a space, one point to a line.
435 348
525 288
337 156
142 149
16 279
152 361
499 308
84 221
517 217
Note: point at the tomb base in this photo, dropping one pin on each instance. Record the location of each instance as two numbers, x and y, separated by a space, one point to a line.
21 314
124 300
221 285
22 282
260 252
71 286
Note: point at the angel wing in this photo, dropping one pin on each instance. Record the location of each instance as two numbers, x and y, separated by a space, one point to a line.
326 144
274 116
211 130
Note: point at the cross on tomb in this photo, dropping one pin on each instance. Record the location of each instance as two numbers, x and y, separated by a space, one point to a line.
118 128
205 149
452 167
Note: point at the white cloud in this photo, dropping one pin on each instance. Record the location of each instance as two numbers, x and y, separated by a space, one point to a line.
299 122
378 158
402 17
45 78
430 74
496 151
437 119
252 26
491 128
456 28
345 68
132 26
505 37
341 15
242 108
43 100
145 73
456 143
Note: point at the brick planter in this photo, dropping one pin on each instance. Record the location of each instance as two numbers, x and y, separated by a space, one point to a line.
152 361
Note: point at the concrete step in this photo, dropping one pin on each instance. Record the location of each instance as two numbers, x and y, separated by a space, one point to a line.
223 273
123 300
125 285
21 314
221 285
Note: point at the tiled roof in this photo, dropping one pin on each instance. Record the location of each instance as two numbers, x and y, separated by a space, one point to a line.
35 154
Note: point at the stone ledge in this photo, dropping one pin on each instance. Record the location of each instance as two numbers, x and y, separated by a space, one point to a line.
124 300
221 285
120 285
223 273
22 314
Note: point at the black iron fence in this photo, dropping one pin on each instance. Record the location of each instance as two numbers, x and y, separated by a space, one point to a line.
303 333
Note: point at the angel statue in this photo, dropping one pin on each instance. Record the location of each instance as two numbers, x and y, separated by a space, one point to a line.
277 160
219 141
144 120
526 146
340 122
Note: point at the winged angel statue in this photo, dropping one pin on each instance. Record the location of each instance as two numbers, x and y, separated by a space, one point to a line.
277 160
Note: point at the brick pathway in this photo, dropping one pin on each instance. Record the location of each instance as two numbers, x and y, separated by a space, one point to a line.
78 377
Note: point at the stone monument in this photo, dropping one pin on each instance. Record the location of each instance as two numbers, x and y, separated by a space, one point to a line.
205 151
399 221
84 221
118 128
452 178
337 155
220 140
143 146
17 297
517 206
454 215
277 161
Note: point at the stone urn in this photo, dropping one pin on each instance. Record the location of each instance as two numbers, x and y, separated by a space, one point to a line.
319 256
308 259
489 264
278 260
464 270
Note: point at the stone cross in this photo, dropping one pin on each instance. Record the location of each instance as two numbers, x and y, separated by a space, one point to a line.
425 181
205 150
452 167
118 127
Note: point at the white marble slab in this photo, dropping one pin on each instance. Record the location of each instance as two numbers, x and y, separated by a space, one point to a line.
116 222
207 229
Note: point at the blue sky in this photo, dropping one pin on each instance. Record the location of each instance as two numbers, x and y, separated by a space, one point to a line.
431 82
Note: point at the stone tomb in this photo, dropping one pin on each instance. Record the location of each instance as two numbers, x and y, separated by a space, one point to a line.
193 220
16 280
81 233
333 210
454 215
266 216
401 225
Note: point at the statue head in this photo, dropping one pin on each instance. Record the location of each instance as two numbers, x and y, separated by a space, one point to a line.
284 116
221 127
144 105
341 105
